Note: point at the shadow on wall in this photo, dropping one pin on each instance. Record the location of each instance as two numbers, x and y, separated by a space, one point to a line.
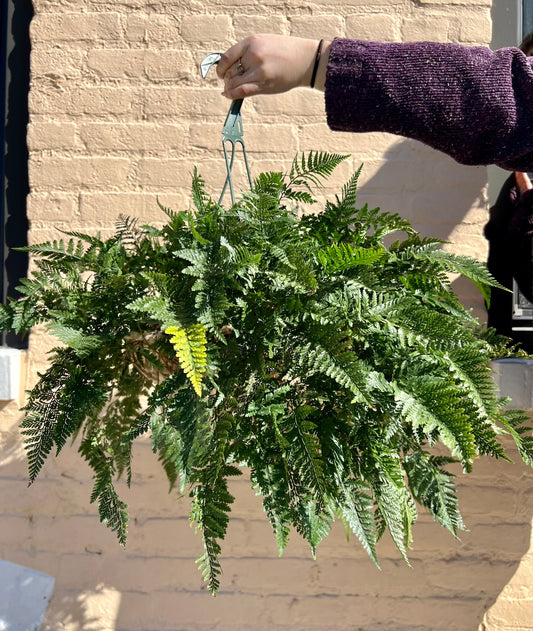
441 198
428 188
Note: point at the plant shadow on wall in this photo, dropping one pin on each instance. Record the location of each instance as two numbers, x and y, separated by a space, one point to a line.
331 365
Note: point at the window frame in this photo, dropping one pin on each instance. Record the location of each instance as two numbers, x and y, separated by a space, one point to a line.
15 49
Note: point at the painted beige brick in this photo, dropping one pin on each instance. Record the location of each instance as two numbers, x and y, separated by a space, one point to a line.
362 146
57 173
519 584
479 3
57 62
196 610
117 63
152 28
96 208
46 533
53 135
185 103
425 28
369 4
98 101
49 6
170 65
301 104
280 139
75 27
373 27
130 572
206 29
319 26
52 207
168 537
132 137
488 538
374 612
476 28
125 5
510 615
115 90
244 25
159 173
101 604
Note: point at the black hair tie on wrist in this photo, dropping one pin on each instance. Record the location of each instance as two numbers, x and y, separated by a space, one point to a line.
317 61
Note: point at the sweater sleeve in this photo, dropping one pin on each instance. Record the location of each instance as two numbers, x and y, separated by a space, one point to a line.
472 103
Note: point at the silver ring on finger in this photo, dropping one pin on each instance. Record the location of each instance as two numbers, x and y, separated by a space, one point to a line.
240 67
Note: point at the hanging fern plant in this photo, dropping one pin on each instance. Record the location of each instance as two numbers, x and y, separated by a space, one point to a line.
300 347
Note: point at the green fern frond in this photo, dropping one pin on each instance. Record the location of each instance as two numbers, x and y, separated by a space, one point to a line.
358 516
310 169
314 523
43 412
129 232
199 195
57 250
303 451
167 443
113 512
211 505
80 342
156 307
397 512
516 423
437 410
434 488
342 367
345 256
468 267
345 204
267 478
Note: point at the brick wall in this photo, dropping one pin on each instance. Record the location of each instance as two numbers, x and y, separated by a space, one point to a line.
119 114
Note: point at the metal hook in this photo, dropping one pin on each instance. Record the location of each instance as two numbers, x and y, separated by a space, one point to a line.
232 131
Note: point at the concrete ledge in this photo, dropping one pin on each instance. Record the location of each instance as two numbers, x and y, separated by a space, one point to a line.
514 378
24 597
9 373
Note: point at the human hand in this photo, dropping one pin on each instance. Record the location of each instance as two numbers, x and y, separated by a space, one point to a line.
271 64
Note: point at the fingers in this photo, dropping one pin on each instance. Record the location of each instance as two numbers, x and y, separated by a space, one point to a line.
237 79
267 64
239 84
242 90
230 59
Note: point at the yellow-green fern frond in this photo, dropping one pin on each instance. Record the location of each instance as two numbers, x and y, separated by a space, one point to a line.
190 344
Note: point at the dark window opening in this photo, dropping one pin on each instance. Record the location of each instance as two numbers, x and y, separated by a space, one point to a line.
510 312
15 49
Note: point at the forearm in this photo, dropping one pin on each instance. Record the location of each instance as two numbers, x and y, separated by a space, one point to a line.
471 103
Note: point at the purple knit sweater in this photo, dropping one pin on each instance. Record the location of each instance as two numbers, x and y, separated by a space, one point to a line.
472 103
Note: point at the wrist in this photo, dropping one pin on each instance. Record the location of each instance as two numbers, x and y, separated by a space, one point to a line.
321 59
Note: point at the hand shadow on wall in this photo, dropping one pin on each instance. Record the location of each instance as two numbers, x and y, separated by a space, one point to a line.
428 188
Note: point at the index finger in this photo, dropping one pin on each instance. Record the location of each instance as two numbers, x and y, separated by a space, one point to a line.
229 58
